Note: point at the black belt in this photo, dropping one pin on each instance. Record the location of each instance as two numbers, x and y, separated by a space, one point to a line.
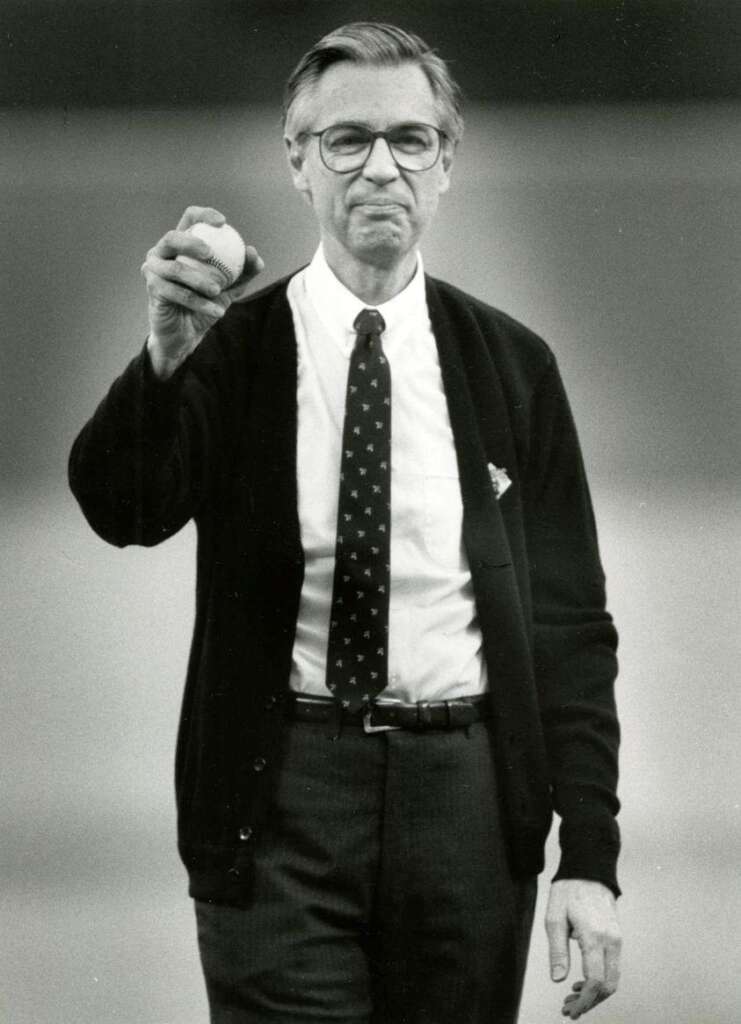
433 714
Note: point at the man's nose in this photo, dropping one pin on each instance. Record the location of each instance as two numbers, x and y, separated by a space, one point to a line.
380 165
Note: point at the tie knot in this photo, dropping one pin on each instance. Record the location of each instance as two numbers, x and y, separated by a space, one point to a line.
369 322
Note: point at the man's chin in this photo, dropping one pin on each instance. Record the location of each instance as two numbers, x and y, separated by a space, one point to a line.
383 245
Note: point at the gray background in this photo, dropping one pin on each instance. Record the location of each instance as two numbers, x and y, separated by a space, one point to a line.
596 197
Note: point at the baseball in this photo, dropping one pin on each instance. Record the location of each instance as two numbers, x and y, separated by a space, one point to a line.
228 251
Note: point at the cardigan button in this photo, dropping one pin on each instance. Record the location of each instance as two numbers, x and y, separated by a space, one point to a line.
259 764
246 833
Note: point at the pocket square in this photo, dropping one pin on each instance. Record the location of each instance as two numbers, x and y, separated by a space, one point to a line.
499 480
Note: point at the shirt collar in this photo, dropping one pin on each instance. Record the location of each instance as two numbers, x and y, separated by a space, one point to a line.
336 306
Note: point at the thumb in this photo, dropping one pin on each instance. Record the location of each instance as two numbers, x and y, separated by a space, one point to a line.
558 948
254 264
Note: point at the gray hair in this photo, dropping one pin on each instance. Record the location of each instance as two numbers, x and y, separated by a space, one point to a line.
378 45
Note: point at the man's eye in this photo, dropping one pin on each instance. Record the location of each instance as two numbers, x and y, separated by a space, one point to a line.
412 139
346 139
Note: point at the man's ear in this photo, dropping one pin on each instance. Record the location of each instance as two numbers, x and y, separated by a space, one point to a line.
446 166
296 155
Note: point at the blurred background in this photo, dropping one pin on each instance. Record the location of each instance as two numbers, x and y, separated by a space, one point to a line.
596 197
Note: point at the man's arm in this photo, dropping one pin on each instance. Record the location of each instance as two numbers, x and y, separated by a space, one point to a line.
153 448
575 658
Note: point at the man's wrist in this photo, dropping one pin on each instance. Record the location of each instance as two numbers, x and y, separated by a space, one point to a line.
164 364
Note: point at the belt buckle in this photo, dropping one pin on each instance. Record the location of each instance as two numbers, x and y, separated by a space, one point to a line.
369 728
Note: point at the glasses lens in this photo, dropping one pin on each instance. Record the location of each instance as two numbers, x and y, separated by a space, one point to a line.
415 146
346 147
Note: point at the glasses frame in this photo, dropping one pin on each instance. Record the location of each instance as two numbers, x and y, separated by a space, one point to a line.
374 136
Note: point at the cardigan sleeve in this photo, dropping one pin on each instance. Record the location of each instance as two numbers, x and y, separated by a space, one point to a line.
575 642
154 450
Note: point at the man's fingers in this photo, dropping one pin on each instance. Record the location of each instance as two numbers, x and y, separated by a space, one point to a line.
201 214
167 292
181 243
253 265
591 993
181 273
253 260
613 946
596 985
575 1005
557 930
593 963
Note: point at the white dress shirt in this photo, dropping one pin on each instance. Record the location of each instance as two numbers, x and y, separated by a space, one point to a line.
434 638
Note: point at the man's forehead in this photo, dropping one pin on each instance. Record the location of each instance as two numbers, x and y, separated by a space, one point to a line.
367 94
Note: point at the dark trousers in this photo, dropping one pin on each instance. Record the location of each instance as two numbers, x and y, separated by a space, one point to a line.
382 892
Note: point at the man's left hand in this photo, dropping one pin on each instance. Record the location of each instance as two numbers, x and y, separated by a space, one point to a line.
584 911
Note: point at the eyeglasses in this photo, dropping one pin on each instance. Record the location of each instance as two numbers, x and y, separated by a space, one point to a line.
346 147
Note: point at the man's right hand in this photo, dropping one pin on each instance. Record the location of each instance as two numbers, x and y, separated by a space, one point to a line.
185 301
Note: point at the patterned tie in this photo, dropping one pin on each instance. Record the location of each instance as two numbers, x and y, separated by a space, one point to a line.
357 653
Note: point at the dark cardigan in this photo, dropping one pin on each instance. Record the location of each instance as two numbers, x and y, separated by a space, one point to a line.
217 443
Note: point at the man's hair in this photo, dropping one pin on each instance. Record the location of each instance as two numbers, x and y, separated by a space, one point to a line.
376 44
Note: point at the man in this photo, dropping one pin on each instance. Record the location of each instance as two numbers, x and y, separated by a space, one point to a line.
401 659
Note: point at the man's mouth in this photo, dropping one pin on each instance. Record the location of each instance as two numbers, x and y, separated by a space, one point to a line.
379 205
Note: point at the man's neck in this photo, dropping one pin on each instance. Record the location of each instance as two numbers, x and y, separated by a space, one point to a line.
373 284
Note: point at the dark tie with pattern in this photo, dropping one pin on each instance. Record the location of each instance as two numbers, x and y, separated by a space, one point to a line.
357 653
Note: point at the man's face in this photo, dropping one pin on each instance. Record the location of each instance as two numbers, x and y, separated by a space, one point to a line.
374 215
